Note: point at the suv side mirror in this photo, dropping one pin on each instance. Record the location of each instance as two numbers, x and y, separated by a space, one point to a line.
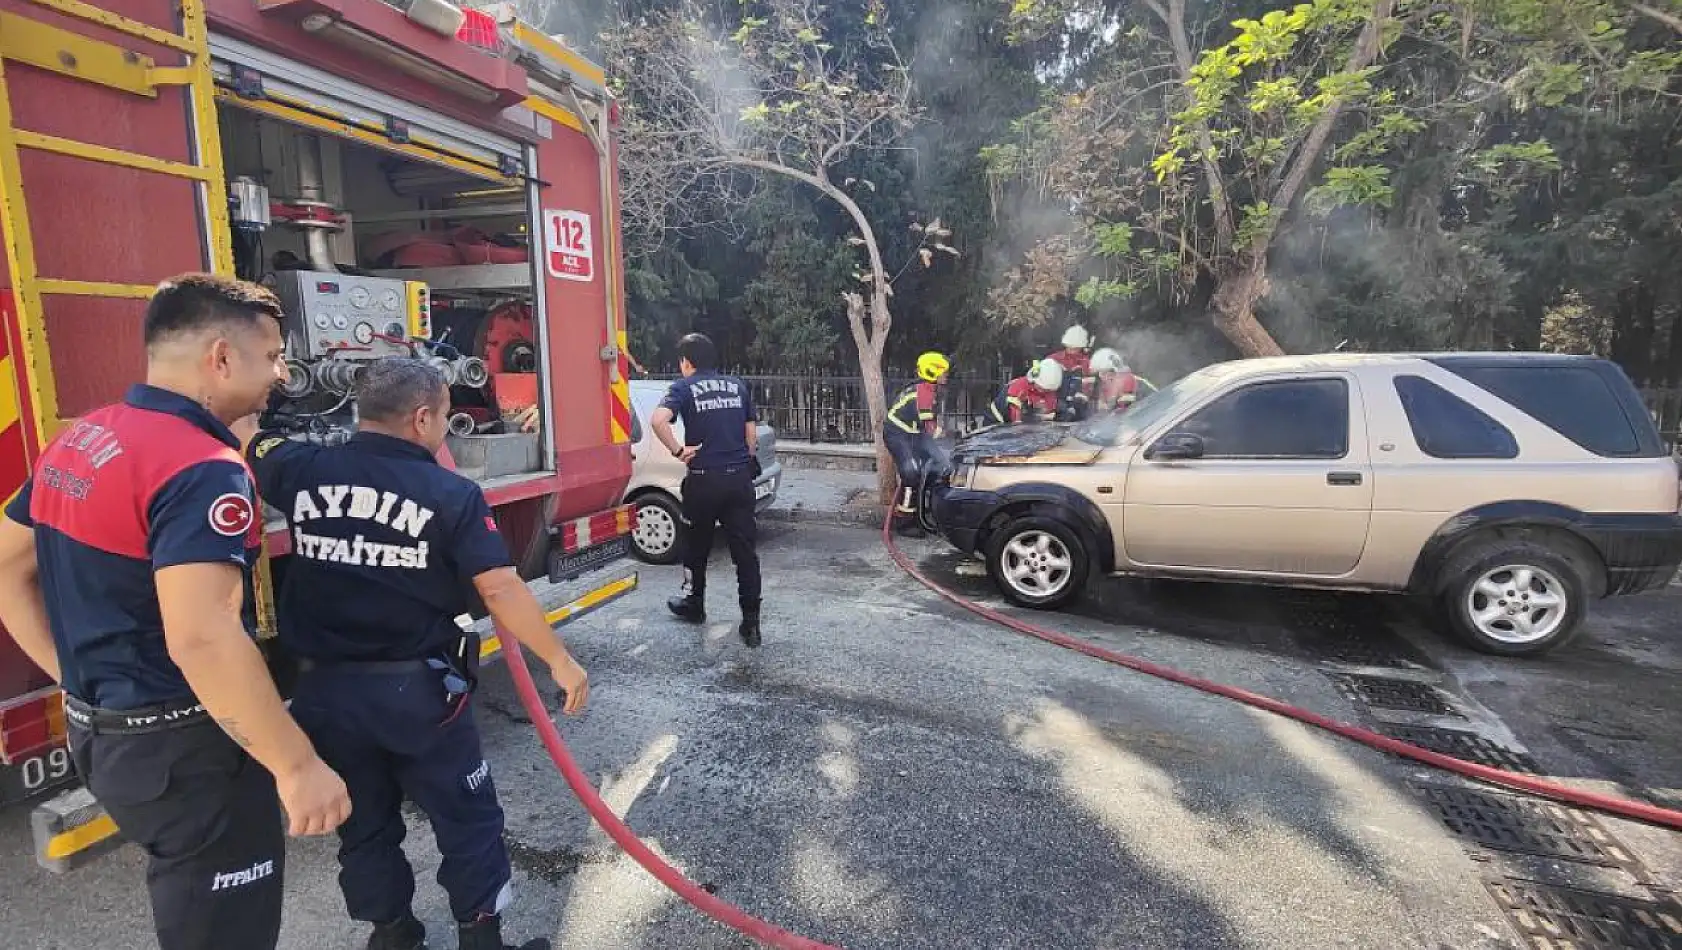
1176 445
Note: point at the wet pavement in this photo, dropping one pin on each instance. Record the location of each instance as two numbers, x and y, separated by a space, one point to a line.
890 771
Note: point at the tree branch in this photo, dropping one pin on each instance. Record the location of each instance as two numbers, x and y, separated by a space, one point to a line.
1314 143
879 274
1668 19
1174 19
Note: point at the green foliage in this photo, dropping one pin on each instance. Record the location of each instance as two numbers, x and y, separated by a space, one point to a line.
1094 291
1112 240
1504 171
1246 72
1353 185
1515 157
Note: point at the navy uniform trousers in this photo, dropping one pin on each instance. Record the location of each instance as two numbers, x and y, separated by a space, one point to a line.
207 816
385 734
722 498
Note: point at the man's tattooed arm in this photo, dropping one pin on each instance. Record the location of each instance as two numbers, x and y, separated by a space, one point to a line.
231 727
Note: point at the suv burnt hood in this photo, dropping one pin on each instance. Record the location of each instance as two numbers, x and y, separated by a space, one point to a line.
1036 443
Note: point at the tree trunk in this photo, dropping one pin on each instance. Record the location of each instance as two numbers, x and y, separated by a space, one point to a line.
1673 362
1633 330
1240 285
875 391
871 341
1234 308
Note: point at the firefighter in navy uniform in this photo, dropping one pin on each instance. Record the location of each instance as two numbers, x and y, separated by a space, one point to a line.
720 432
909 431
125 574
387 548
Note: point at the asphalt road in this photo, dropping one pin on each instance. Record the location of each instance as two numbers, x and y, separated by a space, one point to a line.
889 771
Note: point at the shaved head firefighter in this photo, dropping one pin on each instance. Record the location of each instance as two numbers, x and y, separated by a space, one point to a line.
126 574
721 450
1031 397
912 425
388 547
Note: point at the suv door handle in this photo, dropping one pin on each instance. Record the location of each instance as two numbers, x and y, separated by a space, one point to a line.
1343 478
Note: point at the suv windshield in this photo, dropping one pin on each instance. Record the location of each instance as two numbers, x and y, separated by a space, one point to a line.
1114 429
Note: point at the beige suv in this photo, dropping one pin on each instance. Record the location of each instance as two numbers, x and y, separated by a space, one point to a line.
1506 489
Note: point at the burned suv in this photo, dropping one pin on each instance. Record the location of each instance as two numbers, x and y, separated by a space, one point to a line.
1508 490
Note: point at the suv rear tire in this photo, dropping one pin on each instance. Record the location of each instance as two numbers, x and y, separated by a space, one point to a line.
1038 562
1513 597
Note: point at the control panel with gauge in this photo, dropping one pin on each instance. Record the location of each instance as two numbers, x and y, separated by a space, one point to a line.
344 316
335 324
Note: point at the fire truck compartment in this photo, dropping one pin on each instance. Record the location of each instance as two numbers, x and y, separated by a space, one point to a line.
376 252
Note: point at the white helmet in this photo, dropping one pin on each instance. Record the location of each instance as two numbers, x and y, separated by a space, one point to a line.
1107 360
1047 375
1076 338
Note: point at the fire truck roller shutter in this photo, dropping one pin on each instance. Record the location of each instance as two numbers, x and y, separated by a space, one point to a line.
291 86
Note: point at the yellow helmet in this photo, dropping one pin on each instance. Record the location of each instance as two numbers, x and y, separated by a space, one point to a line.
931 365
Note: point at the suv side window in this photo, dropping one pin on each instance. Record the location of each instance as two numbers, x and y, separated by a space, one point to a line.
636 424
1289 419
1571 400
1448 427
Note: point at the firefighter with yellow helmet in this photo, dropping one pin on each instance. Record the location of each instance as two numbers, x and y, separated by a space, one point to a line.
910 430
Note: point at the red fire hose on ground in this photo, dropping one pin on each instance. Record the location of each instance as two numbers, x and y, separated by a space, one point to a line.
722 911
1622 807
771 935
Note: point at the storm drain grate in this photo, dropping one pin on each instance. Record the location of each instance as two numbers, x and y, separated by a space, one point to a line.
1404 695
1321 618
1555 918
1528 826
1372 647
1468 746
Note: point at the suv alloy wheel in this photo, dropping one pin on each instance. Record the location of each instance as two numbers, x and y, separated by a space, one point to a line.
1513 596
1038 562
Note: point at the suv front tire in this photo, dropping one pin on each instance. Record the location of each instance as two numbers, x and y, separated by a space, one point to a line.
1038 562
1513 596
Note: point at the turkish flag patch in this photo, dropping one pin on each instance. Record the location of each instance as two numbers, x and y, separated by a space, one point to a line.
232 515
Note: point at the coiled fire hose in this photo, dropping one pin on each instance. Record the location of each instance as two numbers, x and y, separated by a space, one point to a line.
722 911
1610 804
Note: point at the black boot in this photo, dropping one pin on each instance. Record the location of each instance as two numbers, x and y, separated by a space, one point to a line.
688 607
691 602
749 630
405 934
486 934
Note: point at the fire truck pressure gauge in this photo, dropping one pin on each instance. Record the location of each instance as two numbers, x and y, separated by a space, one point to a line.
364 333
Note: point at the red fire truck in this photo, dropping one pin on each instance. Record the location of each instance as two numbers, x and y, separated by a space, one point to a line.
416 179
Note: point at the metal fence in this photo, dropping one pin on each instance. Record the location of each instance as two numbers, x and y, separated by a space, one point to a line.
1666 407
833 408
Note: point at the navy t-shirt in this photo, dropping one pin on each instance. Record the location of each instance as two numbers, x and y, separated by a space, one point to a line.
385 545
152 482
715 410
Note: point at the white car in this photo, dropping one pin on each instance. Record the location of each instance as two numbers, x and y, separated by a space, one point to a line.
656 486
